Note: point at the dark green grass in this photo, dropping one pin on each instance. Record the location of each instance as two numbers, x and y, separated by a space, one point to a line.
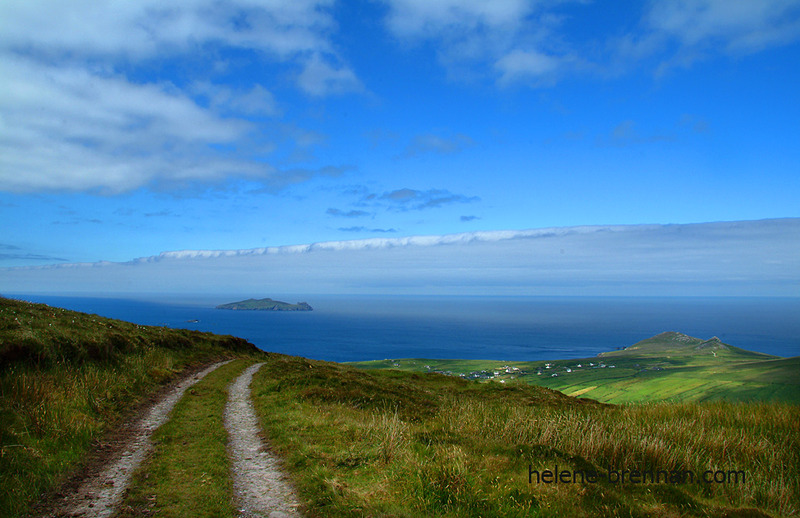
188 473
391 443
66 378
41 336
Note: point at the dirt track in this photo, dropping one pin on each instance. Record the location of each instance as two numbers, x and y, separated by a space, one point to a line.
260 488
99 494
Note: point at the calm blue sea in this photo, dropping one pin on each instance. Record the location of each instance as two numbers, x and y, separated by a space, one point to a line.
343 328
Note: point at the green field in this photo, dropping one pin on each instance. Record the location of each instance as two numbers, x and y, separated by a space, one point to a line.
667 367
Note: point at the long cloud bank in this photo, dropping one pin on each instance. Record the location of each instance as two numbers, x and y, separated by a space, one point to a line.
747 258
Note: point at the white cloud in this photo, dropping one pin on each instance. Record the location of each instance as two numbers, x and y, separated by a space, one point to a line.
373 243
526 41
431 17
509 41
151 28
320 77
254 101
728 258
430 143
682 33
520 65
65 128
73 118
732 25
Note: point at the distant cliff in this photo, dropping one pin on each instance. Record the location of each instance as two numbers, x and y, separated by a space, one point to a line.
265 305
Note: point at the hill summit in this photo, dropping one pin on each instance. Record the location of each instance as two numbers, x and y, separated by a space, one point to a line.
675 343
679 340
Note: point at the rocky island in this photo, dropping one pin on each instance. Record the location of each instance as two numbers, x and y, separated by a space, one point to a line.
265 305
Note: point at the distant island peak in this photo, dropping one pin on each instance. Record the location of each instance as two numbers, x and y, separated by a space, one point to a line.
265 305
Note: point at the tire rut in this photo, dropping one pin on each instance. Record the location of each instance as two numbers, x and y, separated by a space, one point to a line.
99 495
260 488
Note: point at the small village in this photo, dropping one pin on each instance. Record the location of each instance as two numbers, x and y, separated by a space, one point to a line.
508 372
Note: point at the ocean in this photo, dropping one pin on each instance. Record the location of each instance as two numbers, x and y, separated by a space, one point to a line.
353 328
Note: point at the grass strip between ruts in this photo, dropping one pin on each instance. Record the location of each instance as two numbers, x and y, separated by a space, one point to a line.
188 473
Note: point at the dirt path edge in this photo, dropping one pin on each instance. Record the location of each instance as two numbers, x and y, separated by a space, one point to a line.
260 487
97 490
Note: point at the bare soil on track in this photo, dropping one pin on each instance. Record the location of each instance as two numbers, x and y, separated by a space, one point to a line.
97 490
260 487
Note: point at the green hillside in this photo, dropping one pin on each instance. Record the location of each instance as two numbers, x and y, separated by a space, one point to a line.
66 378
392 443
672 343
359 442
667 367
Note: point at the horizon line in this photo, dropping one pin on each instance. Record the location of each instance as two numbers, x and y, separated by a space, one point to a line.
374 243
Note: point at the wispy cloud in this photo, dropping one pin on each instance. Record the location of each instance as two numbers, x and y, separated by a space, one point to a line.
13 253
347 213
733 27
509 41
680 34
627 133
412 199
519 42
25 256
160 214
377 137
531 66
697 124
322 77
365 229
429 18
402 200
748 258
78 221
287 177
256 100
430 143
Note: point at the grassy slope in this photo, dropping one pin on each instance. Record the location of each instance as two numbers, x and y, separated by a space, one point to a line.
667 367
378 442
66 378
392 443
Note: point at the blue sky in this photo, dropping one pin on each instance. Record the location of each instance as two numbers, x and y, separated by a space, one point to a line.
128 129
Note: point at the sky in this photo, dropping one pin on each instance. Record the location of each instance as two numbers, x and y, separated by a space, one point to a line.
724 259
128 129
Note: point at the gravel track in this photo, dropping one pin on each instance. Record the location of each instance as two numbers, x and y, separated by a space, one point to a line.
100 494
260 488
